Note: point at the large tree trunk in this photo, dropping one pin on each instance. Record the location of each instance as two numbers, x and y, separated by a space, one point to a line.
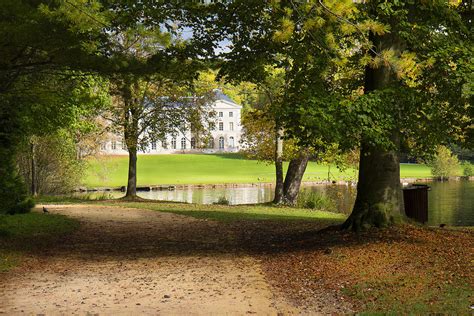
293 178
278 165
379 196
132 173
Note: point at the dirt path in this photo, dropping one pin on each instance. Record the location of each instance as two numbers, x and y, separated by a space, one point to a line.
123 261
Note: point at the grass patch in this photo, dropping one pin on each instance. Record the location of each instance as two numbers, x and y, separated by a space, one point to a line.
385 297
190 169
24 232
210 169
111 171
225 213
73 199
35 225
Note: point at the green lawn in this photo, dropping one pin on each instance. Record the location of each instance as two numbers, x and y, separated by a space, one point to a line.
226 213
21 233
37 225
209 169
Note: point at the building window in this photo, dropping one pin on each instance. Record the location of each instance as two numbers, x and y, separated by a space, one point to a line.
193 143
221 114
231 126
103 146
221 142
221 126
124 145
153 145
231 142
114 145
183 143
211 143
164 144
173 143
212 126
231 114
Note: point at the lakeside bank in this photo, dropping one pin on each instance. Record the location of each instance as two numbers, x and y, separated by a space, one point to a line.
171 187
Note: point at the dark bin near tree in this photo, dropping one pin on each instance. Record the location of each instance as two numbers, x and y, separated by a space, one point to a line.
415 198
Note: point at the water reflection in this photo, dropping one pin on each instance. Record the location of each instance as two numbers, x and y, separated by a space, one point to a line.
342 195
450 203
237 195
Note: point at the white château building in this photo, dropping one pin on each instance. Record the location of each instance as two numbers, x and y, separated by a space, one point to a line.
225 134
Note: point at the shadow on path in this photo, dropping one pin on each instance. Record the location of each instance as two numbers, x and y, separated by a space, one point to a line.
127 233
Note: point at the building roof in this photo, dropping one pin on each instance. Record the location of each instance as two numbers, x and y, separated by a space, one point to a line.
222 96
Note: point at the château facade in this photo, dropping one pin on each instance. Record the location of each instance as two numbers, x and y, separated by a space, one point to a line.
225 134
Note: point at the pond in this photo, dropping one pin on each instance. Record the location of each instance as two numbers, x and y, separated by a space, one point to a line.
450 203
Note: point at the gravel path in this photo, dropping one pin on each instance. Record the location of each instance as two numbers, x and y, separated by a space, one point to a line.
123 261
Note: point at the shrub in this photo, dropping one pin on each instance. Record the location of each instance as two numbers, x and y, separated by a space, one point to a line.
444 164
222 201
468 169
58 169
13 194
22 207
316 201
101 196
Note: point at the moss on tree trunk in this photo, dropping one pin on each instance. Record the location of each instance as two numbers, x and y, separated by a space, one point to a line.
379 201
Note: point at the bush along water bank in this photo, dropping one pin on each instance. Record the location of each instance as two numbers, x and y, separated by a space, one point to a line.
315 201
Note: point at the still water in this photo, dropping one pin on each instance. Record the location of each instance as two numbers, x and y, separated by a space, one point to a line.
451 203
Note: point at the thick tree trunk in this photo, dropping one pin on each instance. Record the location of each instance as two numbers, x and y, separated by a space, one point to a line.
379 197
293 178
278 165
132 173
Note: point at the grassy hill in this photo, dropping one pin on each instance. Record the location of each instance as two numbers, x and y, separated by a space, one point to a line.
209 169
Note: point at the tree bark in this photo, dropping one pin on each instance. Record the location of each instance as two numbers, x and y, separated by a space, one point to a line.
293 178
379 199
132 173
278 165
131 133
